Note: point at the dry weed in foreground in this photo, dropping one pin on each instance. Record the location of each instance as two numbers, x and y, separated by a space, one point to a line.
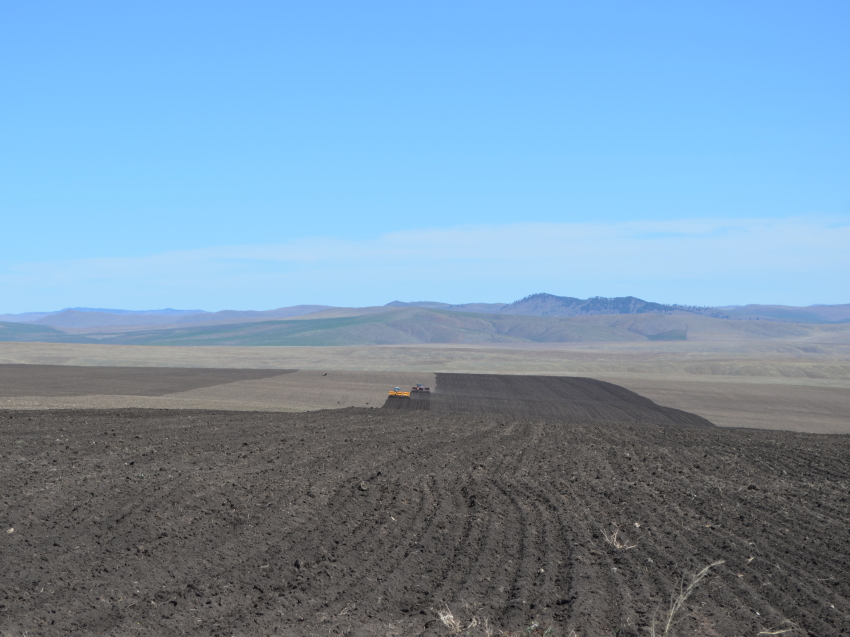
614 541
678 601
477 626
455 626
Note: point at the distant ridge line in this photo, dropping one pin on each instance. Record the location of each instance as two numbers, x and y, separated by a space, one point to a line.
83 320
165 312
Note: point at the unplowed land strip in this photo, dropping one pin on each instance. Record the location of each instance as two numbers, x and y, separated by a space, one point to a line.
61 380
369 521
800 408
272 390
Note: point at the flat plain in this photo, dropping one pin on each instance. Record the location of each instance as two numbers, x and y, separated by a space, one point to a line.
791 386
270 491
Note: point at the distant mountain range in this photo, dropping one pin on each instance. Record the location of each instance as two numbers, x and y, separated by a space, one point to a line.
536 318
550 305
82 317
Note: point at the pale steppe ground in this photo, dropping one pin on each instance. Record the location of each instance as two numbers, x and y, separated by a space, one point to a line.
764 384
303 390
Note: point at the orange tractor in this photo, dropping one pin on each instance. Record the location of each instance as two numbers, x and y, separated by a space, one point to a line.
418 389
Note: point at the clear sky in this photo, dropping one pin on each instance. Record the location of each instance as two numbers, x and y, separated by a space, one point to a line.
251 155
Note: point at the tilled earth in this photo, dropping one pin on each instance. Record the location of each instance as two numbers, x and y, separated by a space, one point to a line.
565 398
371 522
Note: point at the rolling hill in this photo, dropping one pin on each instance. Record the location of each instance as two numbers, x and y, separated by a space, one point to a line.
542 304
419 325
40 333
390 327
539 318
84 318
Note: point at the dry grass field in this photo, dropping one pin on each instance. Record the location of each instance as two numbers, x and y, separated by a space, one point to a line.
790 407
294 390
828 364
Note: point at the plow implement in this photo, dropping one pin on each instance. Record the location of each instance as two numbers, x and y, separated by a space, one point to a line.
418 397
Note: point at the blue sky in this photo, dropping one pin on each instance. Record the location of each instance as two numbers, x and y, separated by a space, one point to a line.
256 155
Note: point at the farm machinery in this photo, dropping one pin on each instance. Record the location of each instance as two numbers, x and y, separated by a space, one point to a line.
415 391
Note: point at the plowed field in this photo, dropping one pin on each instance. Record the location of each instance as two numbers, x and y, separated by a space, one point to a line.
372 521
567 399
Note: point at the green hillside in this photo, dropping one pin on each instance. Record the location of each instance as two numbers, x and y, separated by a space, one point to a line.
403 326
41 333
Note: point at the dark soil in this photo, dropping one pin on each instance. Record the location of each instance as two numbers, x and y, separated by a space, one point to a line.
63 380
568 399
368 522
416 402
